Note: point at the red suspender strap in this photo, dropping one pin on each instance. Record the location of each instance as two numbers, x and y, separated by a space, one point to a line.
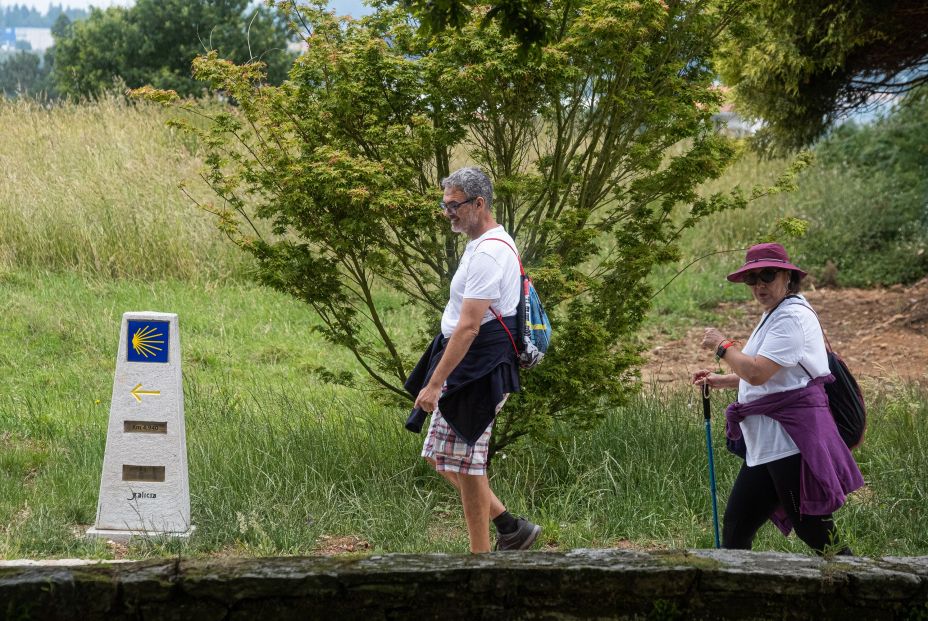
499 317
519 259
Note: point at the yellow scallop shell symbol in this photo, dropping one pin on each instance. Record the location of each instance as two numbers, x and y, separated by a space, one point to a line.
145 342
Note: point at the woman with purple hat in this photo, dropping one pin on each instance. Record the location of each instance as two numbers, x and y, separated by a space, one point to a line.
797 470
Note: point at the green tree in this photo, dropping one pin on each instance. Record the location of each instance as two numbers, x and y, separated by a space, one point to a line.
875 232
154 42
20 16
597 145
62 27
800 65
23 73
95 52
527 21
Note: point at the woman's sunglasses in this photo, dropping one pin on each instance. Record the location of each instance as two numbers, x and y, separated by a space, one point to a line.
765 276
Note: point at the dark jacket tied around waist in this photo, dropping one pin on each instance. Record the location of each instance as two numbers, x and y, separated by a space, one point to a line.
475 387
829 472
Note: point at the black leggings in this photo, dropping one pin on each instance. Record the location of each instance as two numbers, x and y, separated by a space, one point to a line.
758 491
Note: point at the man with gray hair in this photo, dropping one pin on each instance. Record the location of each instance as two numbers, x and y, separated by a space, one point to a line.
465 376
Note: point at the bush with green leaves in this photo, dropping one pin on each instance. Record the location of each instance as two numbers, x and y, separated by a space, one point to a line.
23 73
870 219
331 179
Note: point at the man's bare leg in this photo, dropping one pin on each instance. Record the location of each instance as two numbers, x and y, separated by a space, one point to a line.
475 497
496 506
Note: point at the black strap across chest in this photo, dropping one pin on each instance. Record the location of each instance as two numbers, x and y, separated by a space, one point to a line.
827 344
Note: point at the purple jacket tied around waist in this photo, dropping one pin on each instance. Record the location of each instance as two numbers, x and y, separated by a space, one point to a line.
829 472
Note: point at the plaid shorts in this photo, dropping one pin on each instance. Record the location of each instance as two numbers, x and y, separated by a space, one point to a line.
452 453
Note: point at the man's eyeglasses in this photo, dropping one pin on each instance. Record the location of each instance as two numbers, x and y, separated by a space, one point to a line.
766 276
453 206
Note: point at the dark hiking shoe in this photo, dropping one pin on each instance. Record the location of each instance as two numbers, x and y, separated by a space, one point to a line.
521 538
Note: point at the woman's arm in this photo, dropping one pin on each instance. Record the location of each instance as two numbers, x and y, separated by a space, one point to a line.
715 380
755 370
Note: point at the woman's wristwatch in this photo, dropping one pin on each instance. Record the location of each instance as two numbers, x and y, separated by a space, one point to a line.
722 348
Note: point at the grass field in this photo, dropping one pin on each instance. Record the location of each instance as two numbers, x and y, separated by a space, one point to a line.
281 462
93 189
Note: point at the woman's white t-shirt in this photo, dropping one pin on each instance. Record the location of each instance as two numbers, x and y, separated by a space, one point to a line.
791 335
489 270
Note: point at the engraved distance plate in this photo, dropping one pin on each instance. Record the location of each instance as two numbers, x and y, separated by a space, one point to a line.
145 426
143 473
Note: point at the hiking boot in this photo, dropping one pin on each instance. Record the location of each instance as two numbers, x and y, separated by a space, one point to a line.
521 538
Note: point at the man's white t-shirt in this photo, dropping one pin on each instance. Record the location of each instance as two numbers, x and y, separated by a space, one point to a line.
791 335
489 270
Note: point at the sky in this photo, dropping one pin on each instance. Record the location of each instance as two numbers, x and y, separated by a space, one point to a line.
354 8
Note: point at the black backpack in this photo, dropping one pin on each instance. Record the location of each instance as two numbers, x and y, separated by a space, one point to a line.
845 400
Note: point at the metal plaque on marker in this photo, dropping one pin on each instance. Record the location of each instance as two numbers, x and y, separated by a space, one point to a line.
143 473
141 426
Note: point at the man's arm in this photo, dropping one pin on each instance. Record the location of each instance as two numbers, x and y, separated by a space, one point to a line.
472 312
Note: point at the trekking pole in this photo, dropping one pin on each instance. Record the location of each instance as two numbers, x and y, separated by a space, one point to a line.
707 412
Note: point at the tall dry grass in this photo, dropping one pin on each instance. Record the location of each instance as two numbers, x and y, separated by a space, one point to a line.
93 188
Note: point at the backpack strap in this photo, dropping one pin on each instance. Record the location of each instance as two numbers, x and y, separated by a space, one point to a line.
803 367
817 318
793 295
495 312
828 348
518 258
821 327
499 318
769 314
524 282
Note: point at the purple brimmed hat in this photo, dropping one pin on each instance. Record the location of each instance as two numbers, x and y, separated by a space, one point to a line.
764 255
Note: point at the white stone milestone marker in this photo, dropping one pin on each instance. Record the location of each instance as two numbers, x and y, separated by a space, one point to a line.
144 489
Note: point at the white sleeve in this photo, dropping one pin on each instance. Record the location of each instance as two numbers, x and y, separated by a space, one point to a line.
784 342
484 276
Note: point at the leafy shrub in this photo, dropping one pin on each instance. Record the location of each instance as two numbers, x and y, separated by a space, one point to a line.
868 200
342 163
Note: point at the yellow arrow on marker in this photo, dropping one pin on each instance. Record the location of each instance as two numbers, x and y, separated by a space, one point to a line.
135 392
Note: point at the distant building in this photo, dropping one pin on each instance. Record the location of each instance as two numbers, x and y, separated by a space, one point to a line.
727 120
732 124
35 39
8 39
39 39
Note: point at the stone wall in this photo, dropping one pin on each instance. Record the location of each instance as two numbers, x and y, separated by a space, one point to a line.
582 584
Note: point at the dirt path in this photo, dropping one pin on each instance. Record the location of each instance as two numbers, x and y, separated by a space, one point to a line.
878 332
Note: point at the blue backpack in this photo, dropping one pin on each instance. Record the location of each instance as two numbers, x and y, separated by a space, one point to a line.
536 327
